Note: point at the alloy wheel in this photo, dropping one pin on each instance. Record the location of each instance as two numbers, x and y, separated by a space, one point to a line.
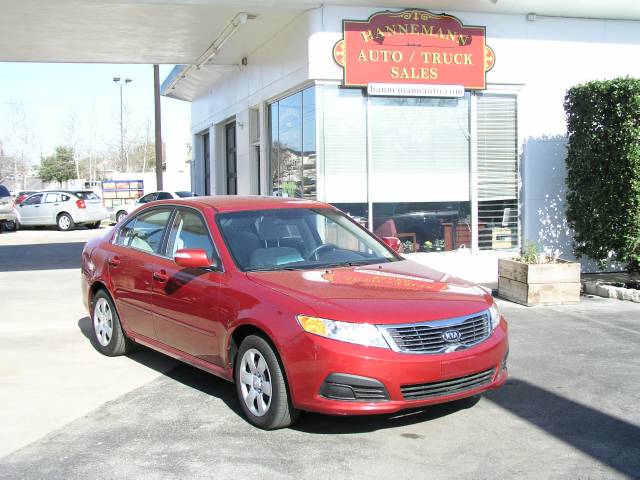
103 322
64 222
255 382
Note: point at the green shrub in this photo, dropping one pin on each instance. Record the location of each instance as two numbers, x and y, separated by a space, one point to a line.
603 169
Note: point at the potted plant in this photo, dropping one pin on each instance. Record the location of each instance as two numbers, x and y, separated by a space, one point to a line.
538 278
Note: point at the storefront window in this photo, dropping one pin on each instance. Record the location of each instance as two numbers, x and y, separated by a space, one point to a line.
293 145
404 165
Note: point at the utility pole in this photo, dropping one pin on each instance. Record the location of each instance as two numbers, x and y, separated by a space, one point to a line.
123 159
158 126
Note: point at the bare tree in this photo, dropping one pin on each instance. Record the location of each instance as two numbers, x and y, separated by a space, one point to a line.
72 138
20 142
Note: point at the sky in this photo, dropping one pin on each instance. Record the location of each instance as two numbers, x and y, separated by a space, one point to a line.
53 95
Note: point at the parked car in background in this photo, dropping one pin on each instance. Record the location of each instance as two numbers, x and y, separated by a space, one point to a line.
22 194
293 301
7 215
121 211
64 208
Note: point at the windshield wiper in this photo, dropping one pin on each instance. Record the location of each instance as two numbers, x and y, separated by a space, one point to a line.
277 268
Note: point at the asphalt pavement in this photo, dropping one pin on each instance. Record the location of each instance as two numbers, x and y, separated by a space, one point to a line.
569 409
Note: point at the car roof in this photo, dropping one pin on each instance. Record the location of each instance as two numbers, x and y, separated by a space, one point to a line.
238 203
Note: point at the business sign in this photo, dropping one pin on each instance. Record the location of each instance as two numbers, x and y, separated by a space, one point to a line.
413 47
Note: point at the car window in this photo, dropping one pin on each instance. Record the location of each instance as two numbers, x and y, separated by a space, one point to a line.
185 194
4 191
164 196
87 196
52 198
65 198
145 231
33 200
298 238
149 197
190 231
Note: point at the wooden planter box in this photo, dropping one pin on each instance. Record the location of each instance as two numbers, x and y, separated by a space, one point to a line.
544 284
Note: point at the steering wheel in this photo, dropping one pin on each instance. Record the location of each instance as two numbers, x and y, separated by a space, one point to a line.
313 254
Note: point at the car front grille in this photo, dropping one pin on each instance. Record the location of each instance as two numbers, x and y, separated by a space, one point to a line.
429 337
447 387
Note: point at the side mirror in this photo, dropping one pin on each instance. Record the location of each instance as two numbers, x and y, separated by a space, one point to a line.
194 258
392 242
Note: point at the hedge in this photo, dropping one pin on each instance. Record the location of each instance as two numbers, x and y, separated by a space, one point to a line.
603 169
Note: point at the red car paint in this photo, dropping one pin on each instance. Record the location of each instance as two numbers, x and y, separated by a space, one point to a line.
192 317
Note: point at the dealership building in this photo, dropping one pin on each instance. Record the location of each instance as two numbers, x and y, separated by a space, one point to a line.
446 130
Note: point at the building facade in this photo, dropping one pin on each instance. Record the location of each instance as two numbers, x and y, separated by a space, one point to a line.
455 142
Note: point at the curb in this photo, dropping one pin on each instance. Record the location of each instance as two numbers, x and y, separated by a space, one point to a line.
609 291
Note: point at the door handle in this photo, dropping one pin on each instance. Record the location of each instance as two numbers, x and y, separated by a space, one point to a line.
114 261
160 276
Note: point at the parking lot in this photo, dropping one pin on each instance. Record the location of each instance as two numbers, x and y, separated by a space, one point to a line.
569 409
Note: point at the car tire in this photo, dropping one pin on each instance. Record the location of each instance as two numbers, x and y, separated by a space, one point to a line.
121 214
94 225
108 336
65 222
11 226
257 366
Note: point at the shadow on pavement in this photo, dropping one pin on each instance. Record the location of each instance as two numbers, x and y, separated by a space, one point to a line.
327 424
180 372
609 440
40 256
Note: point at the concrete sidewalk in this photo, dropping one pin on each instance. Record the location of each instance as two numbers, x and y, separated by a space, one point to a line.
49 372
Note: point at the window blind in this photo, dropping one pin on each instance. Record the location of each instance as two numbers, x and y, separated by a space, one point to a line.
420 149
497 147
345 145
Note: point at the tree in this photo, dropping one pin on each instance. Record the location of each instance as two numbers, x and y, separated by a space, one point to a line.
603 169
59 167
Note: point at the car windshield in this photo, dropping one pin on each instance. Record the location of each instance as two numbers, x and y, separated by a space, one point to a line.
184 194
4 191
87 196
298 238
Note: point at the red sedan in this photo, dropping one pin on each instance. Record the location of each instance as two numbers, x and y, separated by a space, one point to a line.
293 301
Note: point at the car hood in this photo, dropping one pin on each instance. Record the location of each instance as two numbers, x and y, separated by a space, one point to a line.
386 293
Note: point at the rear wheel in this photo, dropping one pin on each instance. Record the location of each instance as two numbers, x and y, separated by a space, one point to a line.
94 225
121 214
109 338
261 385
11 226
65 222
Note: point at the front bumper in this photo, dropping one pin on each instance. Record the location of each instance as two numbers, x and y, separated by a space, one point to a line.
316 361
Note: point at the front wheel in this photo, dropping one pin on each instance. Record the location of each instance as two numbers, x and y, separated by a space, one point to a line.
261 386
120 216
65 222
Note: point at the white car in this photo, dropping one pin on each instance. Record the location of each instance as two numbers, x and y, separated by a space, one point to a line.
63 208
120 211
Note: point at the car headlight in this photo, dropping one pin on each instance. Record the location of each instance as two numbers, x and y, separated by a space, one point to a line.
495 316
359 333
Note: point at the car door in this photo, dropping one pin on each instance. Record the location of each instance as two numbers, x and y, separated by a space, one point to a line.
133 258
30 210
185 300
50 206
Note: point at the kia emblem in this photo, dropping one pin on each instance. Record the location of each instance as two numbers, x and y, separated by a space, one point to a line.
451 336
